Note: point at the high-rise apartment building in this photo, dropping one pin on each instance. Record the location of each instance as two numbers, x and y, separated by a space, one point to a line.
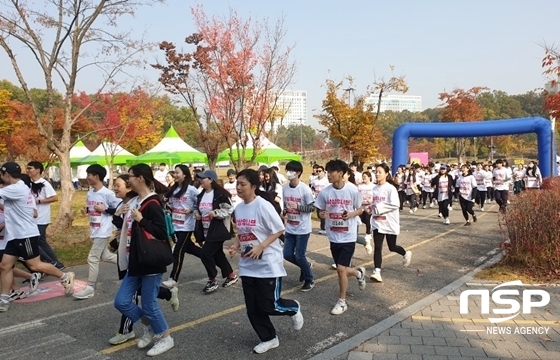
393 102
292 104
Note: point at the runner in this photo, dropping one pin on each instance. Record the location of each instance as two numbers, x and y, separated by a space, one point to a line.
427 189
22 234
533 176
298 201
261 265
319 183
231 187
443 185
98 200
399 179
480 176
385 219
467 193
44 196
182 198
366 190
501 184
341 204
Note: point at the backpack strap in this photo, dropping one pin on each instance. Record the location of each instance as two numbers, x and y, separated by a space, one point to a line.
147 202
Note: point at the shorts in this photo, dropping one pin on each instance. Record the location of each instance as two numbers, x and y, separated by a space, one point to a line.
342 253
26 249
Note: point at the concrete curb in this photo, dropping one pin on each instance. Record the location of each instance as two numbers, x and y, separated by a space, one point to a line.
349 344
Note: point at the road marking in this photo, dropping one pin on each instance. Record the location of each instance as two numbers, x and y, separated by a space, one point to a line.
37 345
484 321
398 305
328 342
220 314
20 327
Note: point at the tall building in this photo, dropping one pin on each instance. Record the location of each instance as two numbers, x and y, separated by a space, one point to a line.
292 104
393 102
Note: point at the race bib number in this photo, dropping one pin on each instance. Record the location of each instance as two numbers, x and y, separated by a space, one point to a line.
95 220
179 217
532 182
247 242
293 217
206 220
336 223
379 218
463 190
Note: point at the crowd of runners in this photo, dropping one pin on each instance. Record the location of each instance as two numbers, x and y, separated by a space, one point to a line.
268 216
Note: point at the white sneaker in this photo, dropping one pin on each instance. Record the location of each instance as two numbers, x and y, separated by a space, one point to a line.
297 319
431 205
376 275
439 215
406 258
481 209
446 221
415 208
450 208
266 345
121 338
34 282
423 206
362 278
161 346
87 293
68 284
322 232
333 266
369 248
169 283
339 308
147 337
174 301
411 211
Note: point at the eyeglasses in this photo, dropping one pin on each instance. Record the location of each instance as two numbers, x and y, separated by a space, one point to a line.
319 171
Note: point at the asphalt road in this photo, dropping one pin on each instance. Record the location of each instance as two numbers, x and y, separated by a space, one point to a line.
215 326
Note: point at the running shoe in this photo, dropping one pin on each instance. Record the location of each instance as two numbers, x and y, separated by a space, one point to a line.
297 319
121 338
211 286
339 308
174 301
169 283
264 346
17 295
406 258
162 345
361 278
230 281
308 285
376 275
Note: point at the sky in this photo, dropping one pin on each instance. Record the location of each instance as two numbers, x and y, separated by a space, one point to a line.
437 45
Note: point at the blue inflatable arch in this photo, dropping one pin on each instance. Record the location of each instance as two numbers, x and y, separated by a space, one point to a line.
540 126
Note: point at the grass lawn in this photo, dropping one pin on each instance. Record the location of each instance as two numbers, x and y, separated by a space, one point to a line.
501 272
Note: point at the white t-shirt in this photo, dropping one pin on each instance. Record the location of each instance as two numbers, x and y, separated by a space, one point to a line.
231 187
335 202
100 224
19 205
366 190
358 177
500 176
205 207
466 185
385 209
411 182
443 188
180 205
255 222
427 183
128 219
319 184
44 210
480 177
3 242
297 223
160 176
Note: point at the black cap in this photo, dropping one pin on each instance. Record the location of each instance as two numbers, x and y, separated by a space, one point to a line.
231 172
11 168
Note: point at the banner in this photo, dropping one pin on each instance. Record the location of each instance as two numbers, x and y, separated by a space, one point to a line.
519 162
421 158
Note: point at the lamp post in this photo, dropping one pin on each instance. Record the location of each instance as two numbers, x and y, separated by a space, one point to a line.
301 136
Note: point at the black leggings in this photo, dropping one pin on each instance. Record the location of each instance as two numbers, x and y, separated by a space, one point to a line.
413 201
378 242
402 198
466 207
501 198
490 192
481 198
444 208
183 245
426 195
213 255
366 219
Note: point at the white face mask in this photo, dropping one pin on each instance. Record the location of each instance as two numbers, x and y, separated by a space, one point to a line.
290 175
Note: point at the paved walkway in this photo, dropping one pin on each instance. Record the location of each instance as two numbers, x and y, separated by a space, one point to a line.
434 329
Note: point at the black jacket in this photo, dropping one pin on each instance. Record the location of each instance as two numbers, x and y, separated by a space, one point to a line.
153 222
220 226
450 187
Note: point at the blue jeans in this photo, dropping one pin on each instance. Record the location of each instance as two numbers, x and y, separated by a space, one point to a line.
150 308
295 247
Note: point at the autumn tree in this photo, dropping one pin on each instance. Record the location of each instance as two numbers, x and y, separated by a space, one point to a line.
350 125
64 40
382 86
461 105
232 80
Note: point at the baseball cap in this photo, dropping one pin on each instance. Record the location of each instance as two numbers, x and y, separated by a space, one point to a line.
443 167
11 168
231 172
210 174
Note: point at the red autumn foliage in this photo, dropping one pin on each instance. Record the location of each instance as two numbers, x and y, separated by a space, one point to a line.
532 224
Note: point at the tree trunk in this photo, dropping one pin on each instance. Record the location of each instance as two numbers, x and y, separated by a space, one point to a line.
65 214
212 161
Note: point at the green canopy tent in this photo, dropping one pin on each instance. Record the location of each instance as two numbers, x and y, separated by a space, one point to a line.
79 151
268 152
171 150
102 153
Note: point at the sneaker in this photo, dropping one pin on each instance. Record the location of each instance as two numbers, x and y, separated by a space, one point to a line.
147 337
230 281
297 319
34 282
68 284
361 278
161 346
376 275
423 206
211 286
481 209
446 221
439 215
169 283
468 223
322 232
431 205
474 219
339 308
174 301
121 338
301 276
415 209
87 293
450 208
308 285
334 266
411 211
266 345
369 248
406 258
17 295
4 306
